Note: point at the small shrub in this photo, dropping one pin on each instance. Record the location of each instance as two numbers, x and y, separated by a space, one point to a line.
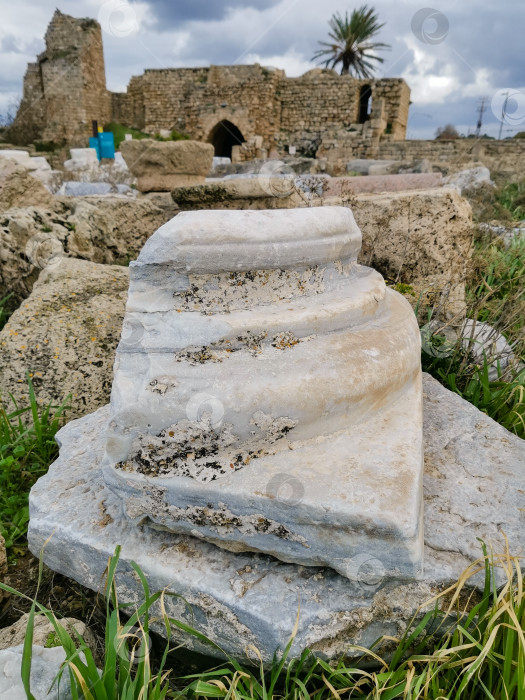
48 146
119 132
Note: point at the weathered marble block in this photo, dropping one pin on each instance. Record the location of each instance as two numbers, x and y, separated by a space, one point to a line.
267 393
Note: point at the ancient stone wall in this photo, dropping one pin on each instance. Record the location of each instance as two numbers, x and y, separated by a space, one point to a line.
506 157
66 88
270 110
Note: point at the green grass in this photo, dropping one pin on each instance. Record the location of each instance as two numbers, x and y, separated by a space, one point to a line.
119 134
511 196
476 650
506 202
27 448
495 294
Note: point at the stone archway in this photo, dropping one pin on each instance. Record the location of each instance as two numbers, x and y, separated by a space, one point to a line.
224 136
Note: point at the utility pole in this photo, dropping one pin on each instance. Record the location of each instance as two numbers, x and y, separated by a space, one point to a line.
503 113
481 109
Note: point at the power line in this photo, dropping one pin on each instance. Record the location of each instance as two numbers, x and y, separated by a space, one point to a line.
481 108
503 114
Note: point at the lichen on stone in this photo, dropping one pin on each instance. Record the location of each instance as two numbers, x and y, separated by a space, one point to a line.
203 451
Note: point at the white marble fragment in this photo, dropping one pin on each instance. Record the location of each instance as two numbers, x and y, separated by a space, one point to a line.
256 353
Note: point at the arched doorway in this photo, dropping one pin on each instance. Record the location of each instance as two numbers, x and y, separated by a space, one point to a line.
365 103
224 136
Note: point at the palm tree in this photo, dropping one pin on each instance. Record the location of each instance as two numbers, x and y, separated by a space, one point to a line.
351 43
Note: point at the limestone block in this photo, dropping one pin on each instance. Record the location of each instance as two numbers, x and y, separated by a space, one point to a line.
82 159
470 179
101 229
18 156
474 487
15 634
82 189
162 165
424 239
341 186
45 665
64 335
254 346
18 188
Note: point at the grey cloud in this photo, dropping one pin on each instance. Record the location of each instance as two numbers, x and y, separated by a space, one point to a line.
170 14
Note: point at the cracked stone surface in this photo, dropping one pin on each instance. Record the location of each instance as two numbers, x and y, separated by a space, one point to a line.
63 335
258 357
474 487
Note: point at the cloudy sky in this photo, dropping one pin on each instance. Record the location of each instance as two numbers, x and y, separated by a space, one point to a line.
451 53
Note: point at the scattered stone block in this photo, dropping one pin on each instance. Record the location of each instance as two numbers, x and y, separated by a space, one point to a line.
82 159
161 166
44 631
45 665
18 188
424 239
101 229
82 189
470 179
64 335
343 186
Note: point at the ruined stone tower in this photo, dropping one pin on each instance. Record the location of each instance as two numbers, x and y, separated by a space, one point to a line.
66 88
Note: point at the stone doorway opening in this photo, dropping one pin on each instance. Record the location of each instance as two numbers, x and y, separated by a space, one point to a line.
365 103
224 136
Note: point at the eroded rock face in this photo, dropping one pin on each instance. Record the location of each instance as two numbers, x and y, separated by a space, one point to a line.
18 188
64 334
424 239
99 229
254 347
162 165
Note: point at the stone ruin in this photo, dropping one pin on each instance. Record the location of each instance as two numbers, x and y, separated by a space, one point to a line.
263 448
245 111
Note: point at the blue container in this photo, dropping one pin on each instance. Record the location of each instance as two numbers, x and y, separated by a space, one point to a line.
93 143
106 145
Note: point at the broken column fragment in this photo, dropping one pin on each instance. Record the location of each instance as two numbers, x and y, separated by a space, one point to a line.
267 392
